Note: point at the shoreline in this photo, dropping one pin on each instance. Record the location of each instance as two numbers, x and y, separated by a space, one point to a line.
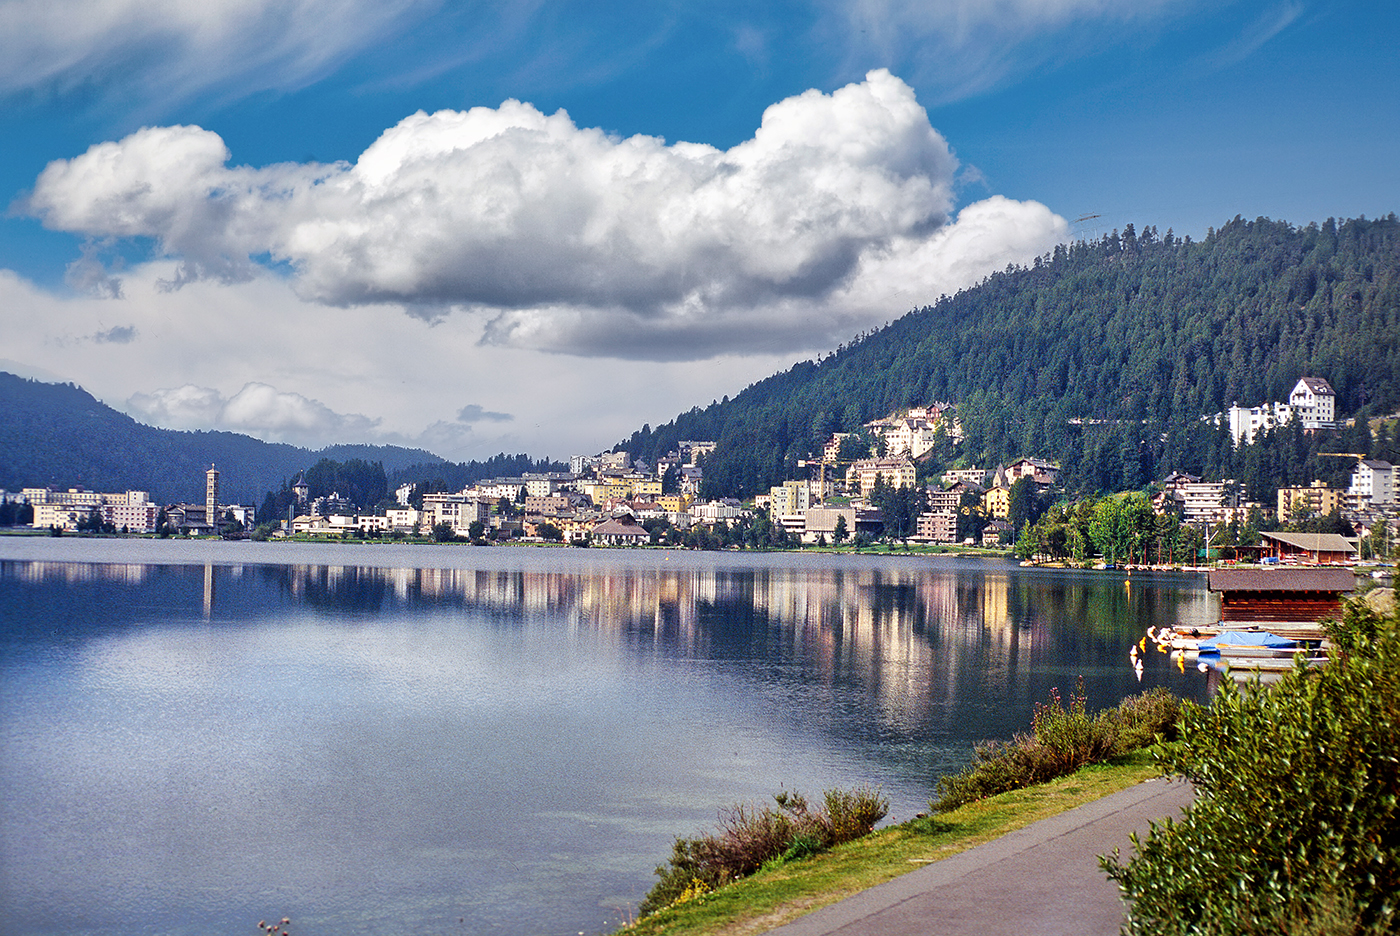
770 899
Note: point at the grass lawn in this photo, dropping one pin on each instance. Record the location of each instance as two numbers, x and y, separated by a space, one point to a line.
773 897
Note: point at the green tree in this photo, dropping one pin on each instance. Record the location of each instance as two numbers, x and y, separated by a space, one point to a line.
1021 508
840 532
1296 823
856 446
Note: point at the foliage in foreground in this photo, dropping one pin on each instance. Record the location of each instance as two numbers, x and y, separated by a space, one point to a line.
1061 741
749 838
1295 827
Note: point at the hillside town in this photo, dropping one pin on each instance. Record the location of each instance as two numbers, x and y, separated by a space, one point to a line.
862 487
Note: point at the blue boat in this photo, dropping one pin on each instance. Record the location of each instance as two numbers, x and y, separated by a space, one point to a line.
1249 643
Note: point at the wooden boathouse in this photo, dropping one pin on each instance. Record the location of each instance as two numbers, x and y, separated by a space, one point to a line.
1280 595
1312 548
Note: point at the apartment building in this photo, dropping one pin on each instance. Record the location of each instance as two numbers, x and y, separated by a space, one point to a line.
1316 497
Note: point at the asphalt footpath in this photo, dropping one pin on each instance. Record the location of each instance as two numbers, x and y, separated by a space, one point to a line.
1042 880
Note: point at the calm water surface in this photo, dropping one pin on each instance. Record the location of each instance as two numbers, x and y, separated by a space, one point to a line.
456 740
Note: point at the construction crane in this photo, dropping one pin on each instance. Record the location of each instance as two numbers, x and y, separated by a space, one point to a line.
822 462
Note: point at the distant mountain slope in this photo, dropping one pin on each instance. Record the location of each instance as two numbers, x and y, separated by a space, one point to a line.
59 434
1103 355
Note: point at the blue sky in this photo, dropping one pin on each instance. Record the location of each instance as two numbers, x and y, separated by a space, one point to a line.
215 247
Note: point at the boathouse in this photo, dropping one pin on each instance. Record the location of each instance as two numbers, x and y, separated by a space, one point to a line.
1312 548
1280 595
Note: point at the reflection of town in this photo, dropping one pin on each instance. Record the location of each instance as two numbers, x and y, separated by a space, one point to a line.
915 639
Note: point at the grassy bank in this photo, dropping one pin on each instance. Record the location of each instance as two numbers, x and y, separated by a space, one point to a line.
777 895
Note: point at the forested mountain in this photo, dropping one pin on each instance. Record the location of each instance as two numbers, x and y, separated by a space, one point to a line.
1103 355
58 434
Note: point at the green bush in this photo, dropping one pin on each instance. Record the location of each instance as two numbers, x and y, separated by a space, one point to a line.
1295 827
1061 741
749 838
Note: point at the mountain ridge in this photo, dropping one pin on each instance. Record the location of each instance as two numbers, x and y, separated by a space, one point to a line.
59 434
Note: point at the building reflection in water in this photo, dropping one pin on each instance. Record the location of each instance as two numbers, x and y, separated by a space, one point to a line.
923 642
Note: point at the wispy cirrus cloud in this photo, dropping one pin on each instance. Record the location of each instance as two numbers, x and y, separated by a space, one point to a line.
955 49
1256 35
169 50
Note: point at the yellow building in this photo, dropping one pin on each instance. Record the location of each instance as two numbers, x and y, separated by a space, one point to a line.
649 488
997 502
1317 497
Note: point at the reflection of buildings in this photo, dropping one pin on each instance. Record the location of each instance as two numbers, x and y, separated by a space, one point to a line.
918 640
76 573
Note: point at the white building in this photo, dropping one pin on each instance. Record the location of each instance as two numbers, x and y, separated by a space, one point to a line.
1211 501
909 436
896 472
1372 484
832 449
458 511
132 510
1245 424
497 489
403 518
789 498
548 484
61 516
717 510
938 526
135 516
973 475
1314 403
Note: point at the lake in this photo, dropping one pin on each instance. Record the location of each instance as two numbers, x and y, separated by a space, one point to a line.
195 736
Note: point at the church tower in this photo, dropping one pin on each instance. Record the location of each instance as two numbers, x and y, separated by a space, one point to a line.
211 497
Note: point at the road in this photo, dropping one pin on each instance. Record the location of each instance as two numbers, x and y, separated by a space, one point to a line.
1043 880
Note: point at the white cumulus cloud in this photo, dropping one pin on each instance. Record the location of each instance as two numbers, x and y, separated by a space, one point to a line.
570 240
257 409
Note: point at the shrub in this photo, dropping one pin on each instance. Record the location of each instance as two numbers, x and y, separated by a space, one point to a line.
851 814
1295 827
1141 720
1061 741
749 838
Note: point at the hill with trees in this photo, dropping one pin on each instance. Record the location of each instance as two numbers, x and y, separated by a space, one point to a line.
1104 356
58 434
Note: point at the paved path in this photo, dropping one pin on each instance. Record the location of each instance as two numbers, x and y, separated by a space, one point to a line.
1043 880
